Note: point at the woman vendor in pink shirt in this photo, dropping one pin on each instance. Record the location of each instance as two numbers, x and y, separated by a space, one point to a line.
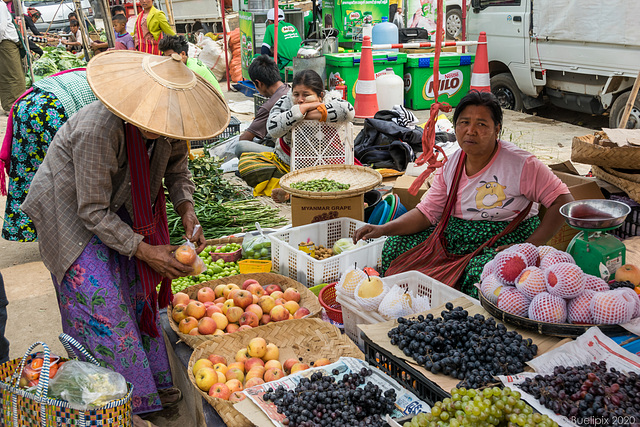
499 188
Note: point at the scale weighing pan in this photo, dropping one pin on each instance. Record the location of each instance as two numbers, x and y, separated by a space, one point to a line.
595 214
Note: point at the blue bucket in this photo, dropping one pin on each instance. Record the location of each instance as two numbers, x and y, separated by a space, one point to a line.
380 213
400 209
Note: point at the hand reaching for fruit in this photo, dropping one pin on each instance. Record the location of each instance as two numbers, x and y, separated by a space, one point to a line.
160 258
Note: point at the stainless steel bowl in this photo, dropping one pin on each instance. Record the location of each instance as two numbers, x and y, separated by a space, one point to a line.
584 213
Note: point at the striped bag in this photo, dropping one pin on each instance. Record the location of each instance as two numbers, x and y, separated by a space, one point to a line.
21 408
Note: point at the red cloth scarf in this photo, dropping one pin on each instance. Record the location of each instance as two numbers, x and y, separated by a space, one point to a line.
151 222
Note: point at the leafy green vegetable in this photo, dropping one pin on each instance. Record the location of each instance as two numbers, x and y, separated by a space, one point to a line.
56 59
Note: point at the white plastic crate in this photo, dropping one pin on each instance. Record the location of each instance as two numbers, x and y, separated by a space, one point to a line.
321 143
292 262
418 283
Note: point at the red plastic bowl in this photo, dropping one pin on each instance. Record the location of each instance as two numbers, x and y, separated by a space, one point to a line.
227 256
327 300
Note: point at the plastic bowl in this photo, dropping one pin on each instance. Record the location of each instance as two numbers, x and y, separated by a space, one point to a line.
327 299
227 256
380 213
371 198
400 209
390 199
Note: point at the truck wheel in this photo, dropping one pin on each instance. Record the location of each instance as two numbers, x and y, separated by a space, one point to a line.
504 87
617 109
454 23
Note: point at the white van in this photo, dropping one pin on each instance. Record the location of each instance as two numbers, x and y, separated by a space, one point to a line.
57 12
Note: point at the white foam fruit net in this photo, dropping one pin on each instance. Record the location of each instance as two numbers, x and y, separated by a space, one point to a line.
547 308
421 303
610 308
370 304
350 280
578 309
396 303
490 288
632 300
489 268
565 280
321 143
544 251
595 283
513 301
529 250
555 258
509 265
531 282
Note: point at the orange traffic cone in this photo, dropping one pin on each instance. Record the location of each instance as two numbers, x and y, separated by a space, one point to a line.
480 78
366 104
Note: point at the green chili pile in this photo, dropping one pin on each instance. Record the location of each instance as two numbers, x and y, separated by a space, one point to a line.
320 185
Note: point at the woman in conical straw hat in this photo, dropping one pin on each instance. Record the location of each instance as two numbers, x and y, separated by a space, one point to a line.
98 205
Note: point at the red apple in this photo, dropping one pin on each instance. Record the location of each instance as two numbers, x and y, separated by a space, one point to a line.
255 308
279 313
299 367
212 309
277 294
237 396
234 373
220 390
196 309
180 298
243 299
207 326
254 361
256 289
242 355
179 312
220 319
288 364
249 318
321 362
248 282
232 327
187 324
301 312
234 314
253 382
215 358
228 288
194 331
206 294
273 374
269 289
265 319
220 300
292 306
292 294
244 328
266 303
234 385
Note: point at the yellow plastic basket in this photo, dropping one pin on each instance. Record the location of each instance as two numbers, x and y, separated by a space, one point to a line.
248 266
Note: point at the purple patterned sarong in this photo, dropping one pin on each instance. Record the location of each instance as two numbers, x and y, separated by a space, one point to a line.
101 302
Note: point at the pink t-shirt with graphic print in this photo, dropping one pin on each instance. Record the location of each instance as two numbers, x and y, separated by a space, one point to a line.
502 189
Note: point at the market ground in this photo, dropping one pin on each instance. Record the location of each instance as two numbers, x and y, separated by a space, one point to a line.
33 311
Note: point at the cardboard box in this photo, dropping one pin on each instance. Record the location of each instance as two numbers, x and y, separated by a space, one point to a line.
581 188
401 188
307 211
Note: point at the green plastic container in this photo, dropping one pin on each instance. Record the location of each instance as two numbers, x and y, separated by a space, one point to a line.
347 66
455 77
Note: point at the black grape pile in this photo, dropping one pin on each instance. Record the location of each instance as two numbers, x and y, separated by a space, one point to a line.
321 401
624 284
487 407
470 348
589 392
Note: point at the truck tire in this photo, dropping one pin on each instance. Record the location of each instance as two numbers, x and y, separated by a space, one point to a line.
453 23
617 109
504 87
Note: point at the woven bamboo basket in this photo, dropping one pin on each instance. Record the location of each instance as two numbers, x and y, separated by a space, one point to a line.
224 240
629 182
360 178
307 299
306 339
598 150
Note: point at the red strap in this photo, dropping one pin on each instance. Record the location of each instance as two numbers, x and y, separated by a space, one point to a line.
151 222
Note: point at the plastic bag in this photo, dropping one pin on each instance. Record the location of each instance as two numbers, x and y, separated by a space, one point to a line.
396 303
212 55
346 244
87 385
187 255
256 245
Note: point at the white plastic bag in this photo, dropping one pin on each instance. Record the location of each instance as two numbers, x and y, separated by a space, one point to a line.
212 55
87 385
186 254
397 303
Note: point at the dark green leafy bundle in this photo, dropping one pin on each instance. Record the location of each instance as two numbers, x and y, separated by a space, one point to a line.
56 59
221 207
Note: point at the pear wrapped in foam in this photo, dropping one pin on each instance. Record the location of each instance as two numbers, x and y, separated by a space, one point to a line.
370 292
396 303
350 280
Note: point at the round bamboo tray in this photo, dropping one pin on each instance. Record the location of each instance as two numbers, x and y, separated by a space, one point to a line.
360 178
306 339
307 299
564 330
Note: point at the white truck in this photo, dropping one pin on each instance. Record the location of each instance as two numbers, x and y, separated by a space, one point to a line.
584 55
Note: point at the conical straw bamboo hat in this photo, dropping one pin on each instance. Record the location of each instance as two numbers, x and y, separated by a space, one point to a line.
158 94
